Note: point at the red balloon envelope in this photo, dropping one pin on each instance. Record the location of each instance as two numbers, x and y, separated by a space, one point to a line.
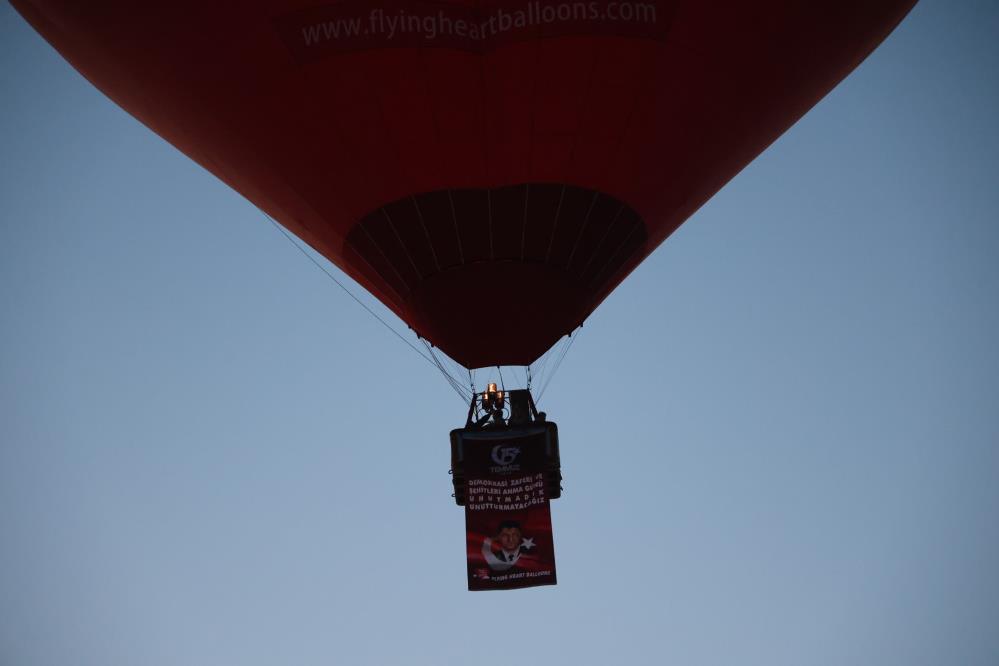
489 170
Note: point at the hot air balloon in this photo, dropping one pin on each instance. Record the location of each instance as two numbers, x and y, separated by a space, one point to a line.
490 170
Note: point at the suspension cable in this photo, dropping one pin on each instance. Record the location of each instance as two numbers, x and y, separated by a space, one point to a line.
546 357
431 359
455 384
572 339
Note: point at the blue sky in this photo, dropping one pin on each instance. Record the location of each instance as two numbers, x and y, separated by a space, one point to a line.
780 435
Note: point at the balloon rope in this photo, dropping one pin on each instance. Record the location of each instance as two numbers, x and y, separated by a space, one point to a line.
572 338
471 382
456 371
542 363
433 361
455 384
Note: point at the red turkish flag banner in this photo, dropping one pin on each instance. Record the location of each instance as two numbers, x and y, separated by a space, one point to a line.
507 517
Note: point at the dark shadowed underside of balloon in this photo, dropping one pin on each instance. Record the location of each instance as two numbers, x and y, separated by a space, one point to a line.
523 256
489 170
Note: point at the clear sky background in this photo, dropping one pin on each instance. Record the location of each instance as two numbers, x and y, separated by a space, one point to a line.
780 435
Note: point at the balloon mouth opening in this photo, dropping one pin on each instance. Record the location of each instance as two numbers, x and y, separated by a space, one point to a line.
496 276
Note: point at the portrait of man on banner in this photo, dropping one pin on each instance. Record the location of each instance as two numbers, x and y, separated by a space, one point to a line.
502 551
